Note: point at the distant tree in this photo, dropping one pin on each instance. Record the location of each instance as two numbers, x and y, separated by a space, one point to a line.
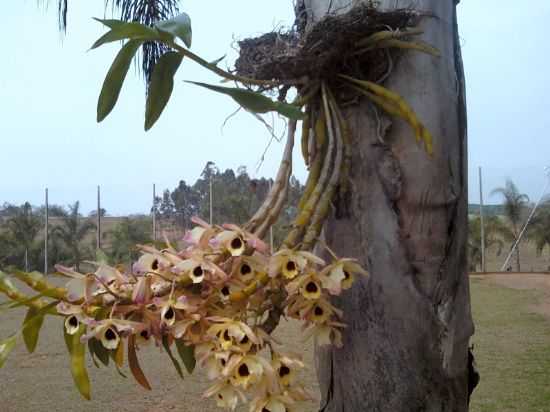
53 210
186 202
124 237
496 232
514 205
539 229
21 230
166 206
102 213
72 233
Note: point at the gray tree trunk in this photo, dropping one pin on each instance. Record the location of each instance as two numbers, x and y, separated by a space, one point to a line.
406 345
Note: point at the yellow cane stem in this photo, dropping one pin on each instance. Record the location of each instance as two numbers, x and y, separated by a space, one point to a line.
386 35
260 281
323 207
305 136
37 282
280 181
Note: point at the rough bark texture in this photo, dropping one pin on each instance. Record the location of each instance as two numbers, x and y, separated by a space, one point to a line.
409 324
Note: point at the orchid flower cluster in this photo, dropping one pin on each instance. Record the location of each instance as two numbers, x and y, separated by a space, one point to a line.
215 300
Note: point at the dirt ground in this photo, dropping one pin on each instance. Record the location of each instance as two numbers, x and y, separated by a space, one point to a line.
42 382
524 281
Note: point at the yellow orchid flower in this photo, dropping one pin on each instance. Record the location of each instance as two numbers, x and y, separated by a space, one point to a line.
340 275
229 240
230 333
272 403
285 367
244 371
226 395
290 263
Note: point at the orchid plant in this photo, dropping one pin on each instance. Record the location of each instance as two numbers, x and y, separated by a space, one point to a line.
218 298
212 300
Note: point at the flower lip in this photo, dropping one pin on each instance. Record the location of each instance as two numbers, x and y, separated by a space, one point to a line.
236 243
110 334
243 370
169 314
311 287
284 371
290 266
198 272
72 324
245 269
318 311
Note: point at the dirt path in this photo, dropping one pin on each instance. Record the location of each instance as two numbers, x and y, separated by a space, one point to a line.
524 281
42 382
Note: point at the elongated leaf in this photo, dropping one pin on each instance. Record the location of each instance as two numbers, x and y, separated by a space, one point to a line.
97 349
77 351
6 285
115 78
118 355
6 346
187 355
31 328
256 102
161 86
175 362
179 26
121 30
12 305
133 362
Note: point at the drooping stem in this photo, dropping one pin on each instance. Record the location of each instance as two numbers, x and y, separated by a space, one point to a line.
281 181
323 206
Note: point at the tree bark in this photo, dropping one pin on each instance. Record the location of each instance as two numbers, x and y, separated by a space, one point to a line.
409 324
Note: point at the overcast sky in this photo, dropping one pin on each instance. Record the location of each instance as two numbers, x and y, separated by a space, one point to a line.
49 86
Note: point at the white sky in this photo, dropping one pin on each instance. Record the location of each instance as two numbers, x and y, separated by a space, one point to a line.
49 86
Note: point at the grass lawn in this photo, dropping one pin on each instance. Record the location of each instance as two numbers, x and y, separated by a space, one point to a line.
512 349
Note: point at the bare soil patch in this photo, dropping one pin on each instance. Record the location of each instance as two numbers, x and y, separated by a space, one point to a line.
524 281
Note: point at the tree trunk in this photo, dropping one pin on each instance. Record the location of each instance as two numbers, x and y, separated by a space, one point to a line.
517 258
409 324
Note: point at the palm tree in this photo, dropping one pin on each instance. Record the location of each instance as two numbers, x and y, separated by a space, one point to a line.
22 228
72 232
124 237
142 11
539 230
496 232
514 205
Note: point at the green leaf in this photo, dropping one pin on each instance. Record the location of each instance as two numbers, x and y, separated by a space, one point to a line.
31 328
187 355
6 346
161 86
256 102
179 26
97 349
115 78
77 351
175 362
6 285
214 63
121 30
